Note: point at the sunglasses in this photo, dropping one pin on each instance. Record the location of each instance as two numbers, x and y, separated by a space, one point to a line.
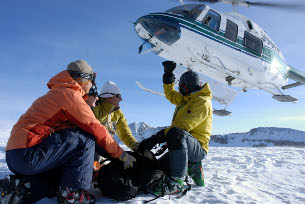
74 74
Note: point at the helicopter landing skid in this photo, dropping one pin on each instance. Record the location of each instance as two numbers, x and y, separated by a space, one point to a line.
221 112
285 98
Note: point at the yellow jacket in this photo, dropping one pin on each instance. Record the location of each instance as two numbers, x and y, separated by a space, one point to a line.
193 112
107 115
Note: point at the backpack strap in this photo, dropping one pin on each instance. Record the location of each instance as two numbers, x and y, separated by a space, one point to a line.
157 196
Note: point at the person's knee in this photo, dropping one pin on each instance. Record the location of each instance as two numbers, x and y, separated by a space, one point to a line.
175 138
78 136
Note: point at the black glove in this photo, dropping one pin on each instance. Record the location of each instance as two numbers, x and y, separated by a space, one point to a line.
169 66
168 76
149 143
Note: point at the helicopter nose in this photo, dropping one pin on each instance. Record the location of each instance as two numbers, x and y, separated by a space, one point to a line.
165 29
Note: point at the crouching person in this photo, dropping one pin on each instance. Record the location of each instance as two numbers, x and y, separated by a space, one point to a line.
189 134
107 110
51 147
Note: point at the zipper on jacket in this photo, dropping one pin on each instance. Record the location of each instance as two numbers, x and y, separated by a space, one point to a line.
51 130
175 114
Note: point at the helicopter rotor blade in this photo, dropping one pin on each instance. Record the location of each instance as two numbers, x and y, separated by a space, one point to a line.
289 6
201 1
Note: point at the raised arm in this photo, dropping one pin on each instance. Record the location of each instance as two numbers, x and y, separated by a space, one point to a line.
168 80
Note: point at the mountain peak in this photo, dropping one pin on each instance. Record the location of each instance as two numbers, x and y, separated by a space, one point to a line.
139 127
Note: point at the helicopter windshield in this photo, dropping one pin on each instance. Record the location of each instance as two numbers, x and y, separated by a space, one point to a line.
191 11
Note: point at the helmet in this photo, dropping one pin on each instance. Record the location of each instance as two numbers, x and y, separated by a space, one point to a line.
81 69
110 89
188 83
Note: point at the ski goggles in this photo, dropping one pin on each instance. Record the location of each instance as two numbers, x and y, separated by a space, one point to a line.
76 75
117 95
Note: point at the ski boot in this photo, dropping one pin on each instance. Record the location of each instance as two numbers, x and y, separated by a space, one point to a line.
171 186
15 189
68 196
196 173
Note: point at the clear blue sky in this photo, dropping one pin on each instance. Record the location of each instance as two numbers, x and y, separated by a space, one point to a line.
40 38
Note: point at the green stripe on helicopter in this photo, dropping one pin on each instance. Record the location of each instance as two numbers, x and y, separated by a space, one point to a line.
197 27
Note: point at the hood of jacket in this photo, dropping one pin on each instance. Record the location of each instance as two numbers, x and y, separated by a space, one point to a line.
204 91
64 80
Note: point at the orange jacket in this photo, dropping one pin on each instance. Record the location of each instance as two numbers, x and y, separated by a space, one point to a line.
62 107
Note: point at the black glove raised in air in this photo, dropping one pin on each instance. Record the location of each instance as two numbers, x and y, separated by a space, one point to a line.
168 76
169 66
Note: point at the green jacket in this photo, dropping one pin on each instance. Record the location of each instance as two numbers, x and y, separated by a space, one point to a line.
106 114
193 112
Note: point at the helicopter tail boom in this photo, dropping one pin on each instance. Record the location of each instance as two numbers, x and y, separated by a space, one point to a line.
296 75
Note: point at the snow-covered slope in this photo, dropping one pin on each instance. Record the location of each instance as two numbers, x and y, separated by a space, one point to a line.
232 174
261 137
4 135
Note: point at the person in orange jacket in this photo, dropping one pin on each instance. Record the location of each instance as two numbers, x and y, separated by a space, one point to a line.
53 143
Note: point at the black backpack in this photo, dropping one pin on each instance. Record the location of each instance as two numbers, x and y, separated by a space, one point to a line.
122 185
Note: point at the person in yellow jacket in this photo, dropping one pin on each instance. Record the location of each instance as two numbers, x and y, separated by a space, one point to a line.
188 136
107 111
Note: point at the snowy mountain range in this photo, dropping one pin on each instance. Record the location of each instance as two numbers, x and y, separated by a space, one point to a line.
140 131
257 137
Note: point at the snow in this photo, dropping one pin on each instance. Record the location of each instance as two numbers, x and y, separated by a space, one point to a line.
233 174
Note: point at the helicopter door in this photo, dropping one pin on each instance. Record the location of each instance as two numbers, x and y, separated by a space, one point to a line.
231 31
253 43
211 44
212 20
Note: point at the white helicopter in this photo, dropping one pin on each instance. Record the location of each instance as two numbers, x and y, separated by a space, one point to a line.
229 48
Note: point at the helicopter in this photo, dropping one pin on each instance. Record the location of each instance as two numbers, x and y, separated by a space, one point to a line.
226 49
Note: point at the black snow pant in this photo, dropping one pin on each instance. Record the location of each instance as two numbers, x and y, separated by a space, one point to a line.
182 148
63 159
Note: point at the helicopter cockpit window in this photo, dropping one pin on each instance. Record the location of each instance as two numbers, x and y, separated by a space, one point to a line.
231 31
253 43
212 19
191 11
